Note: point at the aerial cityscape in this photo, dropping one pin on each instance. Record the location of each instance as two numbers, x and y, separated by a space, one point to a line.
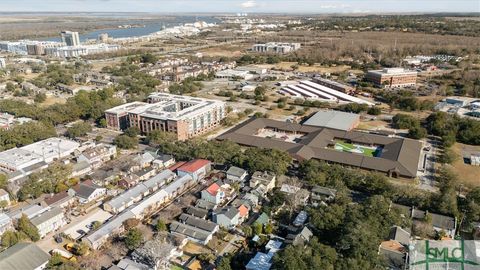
229 134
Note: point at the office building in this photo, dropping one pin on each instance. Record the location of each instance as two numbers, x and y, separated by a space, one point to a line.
70 38
184 116
18 162
274 47
392 77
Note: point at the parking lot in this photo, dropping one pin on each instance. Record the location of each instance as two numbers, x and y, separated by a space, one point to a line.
84 221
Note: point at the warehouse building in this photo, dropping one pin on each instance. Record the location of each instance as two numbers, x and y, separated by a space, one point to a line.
184 116
334 85
315 91
392 77
397 157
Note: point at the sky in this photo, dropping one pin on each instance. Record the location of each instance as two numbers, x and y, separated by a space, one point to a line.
248 6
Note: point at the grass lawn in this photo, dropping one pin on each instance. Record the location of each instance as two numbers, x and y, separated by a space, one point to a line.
467 174
348 147
174 267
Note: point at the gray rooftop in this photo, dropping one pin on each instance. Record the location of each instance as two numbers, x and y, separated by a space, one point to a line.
236 171
198 222
333 119
45 216
189 231
23 256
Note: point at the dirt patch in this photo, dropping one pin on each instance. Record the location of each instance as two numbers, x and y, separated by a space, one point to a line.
467 174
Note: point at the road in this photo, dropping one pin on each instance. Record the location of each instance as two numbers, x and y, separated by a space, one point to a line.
427 178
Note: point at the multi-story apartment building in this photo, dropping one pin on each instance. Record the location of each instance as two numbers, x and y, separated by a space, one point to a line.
392 77
70 38
182 115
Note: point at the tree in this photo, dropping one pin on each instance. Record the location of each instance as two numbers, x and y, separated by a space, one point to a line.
133 239
78 130
374 110
132 132
10 87
130 223
269 228
448 156
447 198
224 263
161 226
247 230
257 228
125 142
417 132
24 225
9 238
40 98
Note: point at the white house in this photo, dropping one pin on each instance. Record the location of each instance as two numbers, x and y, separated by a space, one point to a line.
197 169
213 194
49 221
4 196
236 174
5 223
263 178
227 217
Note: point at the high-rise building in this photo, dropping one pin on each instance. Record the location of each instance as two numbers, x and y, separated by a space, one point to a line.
70 38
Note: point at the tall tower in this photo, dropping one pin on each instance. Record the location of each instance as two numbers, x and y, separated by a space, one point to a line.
70 38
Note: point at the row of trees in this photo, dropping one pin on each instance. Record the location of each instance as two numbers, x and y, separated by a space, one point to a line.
222 152
452 128
405 101
24 134
84 105
405 121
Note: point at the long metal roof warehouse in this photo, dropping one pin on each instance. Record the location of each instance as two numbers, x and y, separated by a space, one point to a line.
398 156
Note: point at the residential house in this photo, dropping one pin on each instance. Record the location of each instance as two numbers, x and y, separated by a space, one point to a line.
202 204
49 221
145 160
198 223
23 256
300 219
439 222
236 174
300 196
266 179
128 264
6 223
87 192
213 194
197 212
197 169
61 199
81 168
4 196
301 237
243 213
395 249
98 155
322 194
227 217
192 233
30 211
164 161
263 261
263 219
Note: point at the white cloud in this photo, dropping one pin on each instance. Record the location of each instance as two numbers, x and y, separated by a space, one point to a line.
249 4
